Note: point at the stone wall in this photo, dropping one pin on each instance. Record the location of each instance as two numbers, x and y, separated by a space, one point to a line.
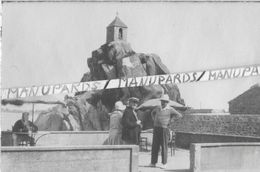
241 125
67 159
61 138
213 157
184 140
68 138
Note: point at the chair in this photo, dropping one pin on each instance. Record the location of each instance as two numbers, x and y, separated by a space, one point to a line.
143 143
20 139
171 143
24 142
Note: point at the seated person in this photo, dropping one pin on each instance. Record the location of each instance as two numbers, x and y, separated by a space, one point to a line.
22 130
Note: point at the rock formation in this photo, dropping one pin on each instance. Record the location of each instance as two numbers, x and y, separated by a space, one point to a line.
114 59
89 110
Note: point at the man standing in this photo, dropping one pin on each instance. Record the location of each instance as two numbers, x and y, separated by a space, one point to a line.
162 116
130 122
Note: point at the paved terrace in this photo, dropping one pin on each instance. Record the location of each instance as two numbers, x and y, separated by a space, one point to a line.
180 162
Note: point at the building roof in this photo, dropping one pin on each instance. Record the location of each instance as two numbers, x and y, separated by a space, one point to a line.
255 89
117 22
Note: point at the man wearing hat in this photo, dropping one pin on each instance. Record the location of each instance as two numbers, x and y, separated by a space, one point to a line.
131 124
162 116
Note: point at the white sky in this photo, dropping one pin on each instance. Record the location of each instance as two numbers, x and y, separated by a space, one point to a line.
48 43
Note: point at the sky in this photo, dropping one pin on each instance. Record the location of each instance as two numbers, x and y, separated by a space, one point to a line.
49 43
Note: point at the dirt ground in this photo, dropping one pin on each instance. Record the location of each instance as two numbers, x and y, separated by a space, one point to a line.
180 162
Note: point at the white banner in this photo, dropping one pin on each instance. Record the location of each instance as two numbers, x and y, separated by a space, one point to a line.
175 78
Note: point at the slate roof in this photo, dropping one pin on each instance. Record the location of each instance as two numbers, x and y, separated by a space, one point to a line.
117 22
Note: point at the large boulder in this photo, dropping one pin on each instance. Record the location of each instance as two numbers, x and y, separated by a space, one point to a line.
117 59
89 110
52 119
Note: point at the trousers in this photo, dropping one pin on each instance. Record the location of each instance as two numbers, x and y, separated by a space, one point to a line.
160 139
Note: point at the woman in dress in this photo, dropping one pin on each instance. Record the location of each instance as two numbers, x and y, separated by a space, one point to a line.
115 131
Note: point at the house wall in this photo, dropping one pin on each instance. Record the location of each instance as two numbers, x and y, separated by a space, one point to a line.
246 103
112 34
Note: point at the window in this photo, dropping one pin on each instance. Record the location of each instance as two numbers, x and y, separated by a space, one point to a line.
120 33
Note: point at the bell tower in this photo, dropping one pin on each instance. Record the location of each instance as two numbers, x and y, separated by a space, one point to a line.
116 30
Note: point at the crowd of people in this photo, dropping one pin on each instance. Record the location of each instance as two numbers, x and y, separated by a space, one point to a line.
125 127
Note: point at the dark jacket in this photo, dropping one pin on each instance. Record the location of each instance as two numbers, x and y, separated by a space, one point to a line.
131 130
20 127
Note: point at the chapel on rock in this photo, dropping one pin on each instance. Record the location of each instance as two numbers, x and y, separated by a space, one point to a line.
116 30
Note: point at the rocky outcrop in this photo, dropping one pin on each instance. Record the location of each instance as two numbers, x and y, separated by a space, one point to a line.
52 119
115 60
